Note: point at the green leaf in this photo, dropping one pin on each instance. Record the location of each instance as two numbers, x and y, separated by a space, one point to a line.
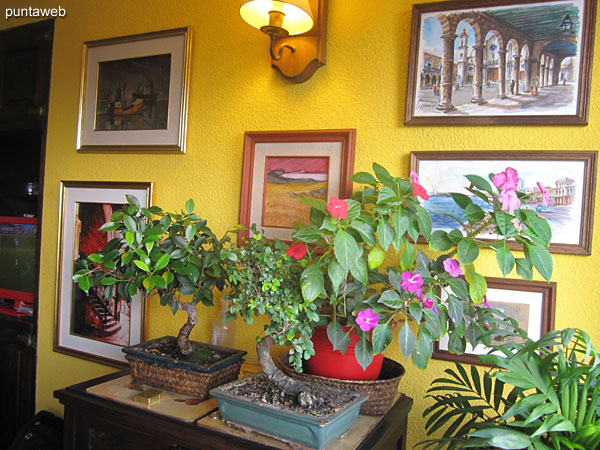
353 209
130 223
148 284
467 251
506 260
364 178
504 438
480 183
504 223
345 249
455 309
542 260
385 233
309 233
366 232
554 423
524 268
109 226
339 340
311 282
382 337
539 226
439 241
375 258
387 195
162 262
96 257
129 238
364 352
401 223
359 270
189 206
316 203
416 311
424 221
383 175
473 213
84 283
406 340
477 284
190 232
432 323
108 281
461 200
391 298
337 275
132 200
459 287
154 231
408 255
142 265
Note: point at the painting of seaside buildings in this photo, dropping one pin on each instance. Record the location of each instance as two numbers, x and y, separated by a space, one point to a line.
288 178
517 59
562 179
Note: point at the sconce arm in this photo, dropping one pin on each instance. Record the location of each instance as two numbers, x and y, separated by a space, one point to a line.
281 47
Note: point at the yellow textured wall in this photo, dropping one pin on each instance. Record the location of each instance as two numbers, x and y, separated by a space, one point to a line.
234 90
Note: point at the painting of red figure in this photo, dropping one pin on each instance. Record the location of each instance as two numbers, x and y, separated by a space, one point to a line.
94 316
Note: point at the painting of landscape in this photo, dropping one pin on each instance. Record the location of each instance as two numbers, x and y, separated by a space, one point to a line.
288 178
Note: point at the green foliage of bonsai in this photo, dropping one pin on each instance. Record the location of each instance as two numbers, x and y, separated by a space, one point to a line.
170 254
541 395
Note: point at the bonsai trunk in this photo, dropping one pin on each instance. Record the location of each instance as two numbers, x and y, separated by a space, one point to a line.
277 377
183 338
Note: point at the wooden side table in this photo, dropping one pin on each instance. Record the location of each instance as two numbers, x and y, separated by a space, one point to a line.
96 423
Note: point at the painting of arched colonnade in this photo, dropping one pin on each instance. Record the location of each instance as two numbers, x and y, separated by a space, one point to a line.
495 61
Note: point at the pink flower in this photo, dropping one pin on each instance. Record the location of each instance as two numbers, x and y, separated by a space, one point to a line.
420 191
414 177
485 302
411 281
545 196
507 180
452 266
297 251
509 201
367 319
428 303
338 208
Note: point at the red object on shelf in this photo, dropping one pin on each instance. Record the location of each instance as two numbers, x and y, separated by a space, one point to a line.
330 363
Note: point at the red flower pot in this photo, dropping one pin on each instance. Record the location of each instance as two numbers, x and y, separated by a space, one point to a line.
333 364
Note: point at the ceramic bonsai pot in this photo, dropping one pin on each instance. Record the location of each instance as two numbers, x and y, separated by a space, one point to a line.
314 432
178 375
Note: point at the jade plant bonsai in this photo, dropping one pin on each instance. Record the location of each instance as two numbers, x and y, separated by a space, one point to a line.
171 254
343 250
266 281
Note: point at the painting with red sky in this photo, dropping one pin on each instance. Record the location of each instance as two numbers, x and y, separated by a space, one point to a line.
288 178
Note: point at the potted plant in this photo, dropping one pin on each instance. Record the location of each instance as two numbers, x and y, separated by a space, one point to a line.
265 281
541 394
173 255
350 277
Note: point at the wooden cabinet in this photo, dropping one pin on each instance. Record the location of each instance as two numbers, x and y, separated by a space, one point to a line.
96 423
17 375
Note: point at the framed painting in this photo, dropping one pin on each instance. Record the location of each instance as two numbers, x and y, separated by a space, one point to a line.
569 177
281 166
531 303
134 93
490 62
87 325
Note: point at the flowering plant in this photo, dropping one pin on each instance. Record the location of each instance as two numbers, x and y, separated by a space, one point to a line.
343 249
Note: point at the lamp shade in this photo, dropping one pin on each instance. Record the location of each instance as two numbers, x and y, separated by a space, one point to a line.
298 16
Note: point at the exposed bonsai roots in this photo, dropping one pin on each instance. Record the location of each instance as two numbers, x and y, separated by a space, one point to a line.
183 338
290 385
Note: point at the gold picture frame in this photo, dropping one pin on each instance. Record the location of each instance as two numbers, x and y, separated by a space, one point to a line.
86 325
134 92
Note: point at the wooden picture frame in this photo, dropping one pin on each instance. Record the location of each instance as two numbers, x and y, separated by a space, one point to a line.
134 92
87 326
569 176
532 303
324 159
492 62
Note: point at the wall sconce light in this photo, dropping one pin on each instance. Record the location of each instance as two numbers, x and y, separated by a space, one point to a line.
298 31
566 25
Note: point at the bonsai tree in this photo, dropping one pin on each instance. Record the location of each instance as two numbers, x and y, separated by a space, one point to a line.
542 394
266 281
174 255
343 249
